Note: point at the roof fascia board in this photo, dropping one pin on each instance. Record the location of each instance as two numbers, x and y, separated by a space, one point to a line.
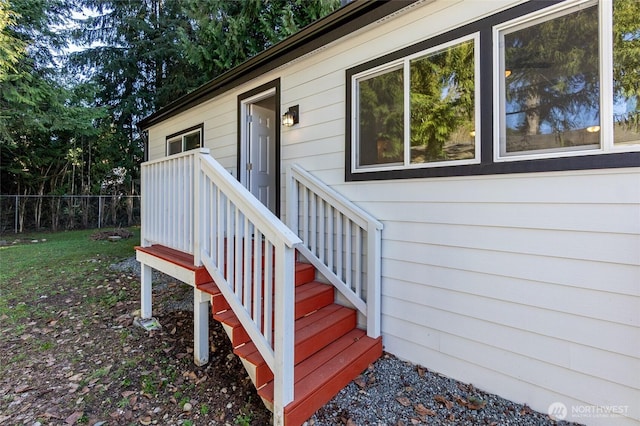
340 23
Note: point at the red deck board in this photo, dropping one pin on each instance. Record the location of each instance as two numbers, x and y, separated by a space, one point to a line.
219 303
305 273
321 376
170 255
311 365
210 288
312 296
305 328
309 297
315 392
322 332
177 257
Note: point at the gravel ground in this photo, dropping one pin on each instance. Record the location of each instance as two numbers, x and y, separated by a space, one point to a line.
396 393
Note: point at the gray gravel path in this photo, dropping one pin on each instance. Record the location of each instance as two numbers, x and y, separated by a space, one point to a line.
393 392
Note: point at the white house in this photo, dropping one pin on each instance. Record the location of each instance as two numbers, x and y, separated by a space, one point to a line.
465 173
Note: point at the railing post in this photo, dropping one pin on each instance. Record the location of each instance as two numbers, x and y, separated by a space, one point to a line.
146 273
292 201
145 193
284 332
374 243
200 327
198 204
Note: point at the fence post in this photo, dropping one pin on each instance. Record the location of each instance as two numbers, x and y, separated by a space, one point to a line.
99 211
15 226
22 224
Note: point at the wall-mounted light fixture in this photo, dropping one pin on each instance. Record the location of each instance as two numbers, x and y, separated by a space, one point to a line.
291 117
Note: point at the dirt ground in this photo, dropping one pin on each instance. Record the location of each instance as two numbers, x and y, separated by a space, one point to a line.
83 361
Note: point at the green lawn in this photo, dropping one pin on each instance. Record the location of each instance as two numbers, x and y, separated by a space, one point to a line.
29 270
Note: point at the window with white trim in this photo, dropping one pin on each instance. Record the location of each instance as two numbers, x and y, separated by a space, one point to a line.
555 87
185 140
418 111
567 81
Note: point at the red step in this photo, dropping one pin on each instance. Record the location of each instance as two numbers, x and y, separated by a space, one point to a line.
236 332
321 376
304 274
312 333
210 288
309 298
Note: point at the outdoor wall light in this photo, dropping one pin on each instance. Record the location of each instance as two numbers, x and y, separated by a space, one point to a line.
291 117
593 129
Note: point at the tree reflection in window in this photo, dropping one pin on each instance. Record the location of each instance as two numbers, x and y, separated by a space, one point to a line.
441 97
552 83
626 71
552 75
442 105
380 118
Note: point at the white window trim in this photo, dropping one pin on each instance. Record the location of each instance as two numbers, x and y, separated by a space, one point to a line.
606 146
182 137
405 64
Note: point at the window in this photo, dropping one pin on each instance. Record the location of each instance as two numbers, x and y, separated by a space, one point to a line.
540 86
568 82
419 111
185 140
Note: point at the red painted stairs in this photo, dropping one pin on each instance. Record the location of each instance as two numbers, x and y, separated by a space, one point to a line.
330 350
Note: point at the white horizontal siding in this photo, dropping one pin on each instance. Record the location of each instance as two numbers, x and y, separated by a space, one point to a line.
615 218
540 349
555 351
617 278
406 299
619 186
603 304
539 273
620 248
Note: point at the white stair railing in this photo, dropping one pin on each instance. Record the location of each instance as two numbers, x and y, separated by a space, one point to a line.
167 200
340 239
192 204
250 254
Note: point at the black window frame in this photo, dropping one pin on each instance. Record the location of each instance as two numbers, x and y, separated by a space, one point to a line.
487 164
183 133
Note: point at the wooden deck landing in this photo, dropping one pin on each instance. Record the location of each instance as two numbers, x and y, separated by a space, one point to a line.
181 260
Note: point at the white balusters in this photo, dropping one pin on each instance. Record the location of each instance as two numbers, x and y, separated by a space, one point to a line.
341 240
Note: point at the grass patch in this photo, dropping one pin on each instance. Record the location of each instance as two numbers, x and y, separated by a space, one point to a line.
32 271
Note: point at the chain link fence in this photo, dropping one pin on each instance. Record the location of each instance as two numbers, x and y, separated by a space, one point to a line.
21 213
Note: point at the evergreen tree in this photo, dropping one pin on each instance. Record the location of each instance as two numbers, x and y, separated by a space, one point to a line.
226 33
44 122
